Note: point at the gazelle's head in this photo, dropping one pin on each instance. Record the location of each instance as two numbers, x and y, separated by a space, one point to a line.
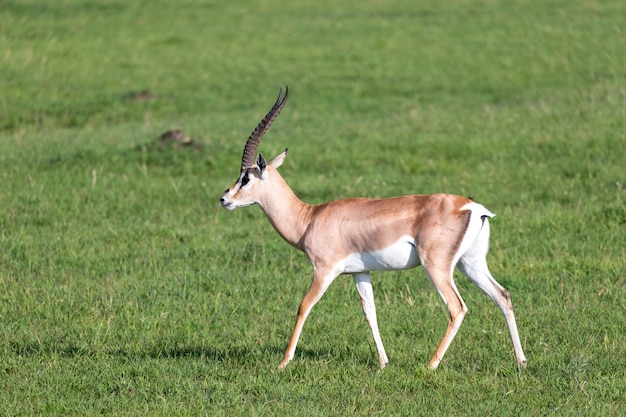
248 188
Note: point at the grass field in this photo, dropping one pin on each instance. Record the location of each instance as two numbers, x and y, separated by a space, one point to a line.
126 290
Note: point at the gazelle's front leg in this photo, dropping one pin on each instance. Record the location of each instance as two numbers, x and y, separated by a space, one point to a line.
364 286
321 281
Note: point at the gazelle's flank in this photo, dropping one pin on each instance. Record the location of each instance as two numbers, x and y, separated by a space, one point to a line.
359 235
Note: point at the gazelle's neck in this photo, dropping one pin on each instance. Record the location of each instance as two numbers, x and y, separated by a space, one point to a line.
289 215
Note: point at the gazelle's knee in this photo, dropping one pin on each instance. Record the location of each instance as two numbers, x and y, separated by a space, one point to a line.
457 312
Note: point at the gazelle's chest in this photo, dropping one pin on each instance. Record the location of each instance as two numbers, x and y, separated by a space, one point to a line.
397 256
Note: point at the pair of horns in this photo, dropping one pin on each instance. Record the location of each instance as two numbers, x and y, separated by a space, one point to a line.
249 151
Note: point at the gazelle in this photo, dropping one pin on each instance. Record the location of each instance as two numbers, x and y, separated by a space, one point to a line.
359 235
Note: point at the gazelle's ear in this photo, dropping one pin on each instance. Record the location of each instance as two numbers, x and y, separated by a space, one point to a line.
260 162
278 159
261 165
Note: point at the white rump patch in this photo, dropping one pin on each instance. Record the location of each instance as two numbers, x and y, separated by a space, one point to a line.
477 233
478 209
401 255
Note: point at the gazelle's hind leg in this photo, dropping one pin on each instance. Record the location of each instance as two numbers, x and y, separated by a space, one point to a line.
441 277
473 264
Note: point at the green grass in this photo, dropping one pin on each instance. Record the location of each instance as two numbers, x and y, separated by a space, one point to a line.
126 290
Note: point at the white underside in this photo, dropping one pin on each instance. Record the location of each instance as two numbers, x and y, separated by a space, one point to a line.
400 255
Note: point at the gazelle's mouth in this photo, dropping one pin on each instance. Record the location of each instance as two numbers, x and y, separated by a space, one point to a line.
226 204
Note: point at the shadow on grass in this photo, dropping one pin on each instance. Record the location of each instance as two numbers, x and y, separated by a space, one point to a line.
251 353
234 354
242 354
67 349
221 353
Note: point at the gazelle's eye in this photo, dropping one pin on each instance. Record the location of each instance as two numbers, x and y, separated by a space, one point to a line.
244 180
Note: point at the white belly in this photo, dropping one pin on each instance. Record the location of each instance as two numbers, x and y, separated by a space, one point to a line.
400 255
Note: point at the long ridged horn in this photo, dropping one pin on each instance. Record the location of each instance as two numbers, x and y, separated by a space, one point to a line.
249 151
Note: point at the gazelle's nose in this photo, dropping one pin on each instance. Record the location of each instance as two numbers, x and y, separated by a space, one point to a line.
223 194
